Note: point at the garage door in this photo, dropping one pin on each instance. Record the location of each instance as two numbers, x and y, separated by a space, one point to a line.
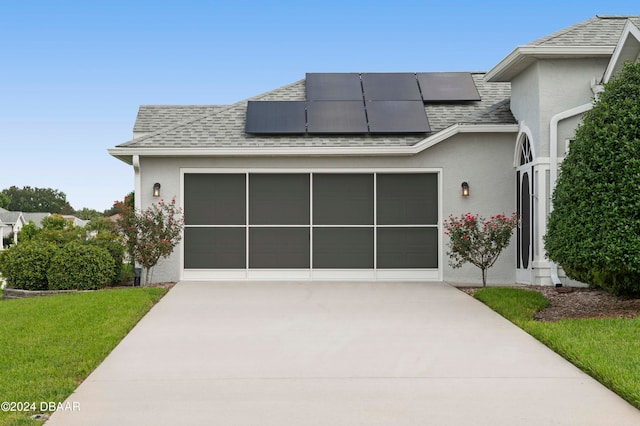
311 225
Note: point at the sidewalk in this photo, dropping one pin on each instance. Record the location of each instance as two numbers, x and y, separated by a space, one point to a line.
263 353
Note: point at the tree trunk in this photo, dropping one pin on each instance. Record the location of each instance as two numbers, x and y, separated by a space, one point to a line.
146 278
484 277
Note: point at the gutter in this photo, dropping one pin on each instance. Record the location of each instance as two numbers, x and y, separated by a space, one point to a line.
124 153
553 172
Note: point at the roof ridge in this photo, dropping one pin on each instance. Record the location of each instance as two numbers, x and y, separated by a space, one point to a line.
563 31
202 117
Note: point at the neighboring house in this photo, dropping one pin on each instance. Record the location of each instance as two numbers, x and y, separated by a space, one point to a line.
75 221
10 224
36 218
350 176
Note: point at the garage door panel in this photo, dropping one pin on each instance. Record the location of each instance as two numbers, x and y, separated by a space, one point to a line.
215 199
343 248
279 199
343 199
279 248
214 248
407 248
407 199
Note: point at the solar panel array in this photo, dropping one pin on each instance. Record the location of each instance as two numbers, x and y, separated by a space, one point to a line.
354 103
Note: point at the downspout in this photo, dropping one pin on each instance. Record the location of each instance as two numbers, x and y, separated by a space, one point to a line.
553 172
137 182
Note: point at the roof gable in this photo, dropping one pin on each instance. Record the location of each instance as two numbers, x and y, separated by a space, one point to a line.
627 49
594 37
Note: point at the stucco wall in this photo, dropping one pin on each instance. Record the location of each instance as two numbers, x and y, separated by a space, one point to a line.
483 160
551 86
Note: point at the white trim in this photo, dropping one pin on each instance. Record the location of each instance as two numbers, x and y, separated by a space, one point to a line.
121 152
312 275
427 274
615 64
137 184
523 56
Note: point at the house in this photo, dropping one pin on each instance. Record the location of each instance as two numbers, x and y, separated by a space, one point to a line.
36 218
350 175
10 225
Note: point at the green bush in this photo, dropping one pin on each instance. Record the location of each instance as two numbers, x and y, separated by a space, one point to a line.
80 267
25 265
594 229
115 250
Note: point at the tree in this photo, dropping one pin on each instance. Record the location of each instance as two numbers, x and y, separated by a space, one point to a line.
30 199
119 206
476 244
4 201
88 214
151 234
594 229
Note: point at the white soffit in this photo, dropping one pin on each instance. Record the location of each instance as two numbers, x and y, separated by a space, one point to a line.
627 49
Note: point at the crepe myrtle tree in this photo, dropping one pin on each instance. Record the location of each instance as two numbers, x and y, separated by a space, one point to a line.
478 241
151 234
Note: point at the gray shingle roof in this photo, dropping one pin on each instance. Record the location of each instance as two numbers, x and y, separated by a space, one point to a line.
596 31
223 127
9 217
152 118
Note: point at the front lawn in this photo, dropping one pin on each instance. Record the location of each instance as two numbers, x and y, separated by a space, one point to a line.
607 349
49 345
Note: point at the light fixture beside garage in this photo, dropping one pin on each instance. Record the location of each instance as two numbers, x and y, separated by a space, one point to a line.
465 189
156 189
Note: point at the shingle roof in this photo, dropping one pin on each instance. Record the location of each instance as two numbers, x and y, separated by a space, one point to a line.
223 127
152 118
596 31
9 217
36 218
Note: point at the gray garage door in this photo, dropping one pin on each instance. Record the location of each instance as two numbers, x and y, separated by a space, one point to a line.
312 221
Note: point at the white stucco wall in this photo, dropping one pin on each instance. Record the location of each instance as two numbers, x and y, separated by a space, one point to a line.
483 160
551 86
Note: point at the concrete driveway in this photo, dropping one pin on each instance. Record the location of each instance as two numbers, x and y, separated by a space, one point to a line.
264 353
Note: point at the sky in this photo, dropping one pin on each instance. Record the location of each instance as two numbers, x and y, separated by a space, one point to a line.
73 73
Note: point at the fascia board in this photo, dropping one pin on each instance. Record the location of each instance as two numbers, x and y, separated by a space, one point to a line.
125 154
629 41
523 56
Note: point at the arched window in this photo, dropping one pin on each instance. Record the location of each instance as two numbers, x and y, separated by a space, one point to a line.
526 155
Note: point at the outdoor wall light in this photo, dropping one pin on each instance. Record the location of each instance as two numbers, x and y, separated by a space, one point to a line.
465 189
156 189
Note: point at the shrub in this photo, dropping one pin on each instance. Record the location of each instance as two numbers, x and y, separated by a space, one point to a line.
594 229
151 234
478 241
115 250
80 267
25 265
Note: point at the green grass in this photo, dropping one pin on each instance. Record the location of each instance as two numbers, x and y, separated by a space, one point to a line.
51 344
606 349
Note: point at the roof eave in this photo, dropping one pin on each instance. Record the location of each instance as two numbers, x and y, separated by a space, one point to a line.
126 154
523 56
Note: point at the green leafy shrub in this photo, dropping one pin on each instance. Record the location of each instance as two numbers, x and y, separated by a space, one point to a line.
478 241
115 250
594 229
80 267
25 265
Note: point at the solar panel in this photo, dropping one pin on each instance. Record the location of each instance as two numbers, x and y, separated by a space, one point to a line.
447 86
333 87
397 117
275 117
336 117
390 87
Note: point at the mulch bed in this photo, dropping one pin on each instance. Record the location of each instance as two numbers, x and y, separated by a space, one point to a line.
568 302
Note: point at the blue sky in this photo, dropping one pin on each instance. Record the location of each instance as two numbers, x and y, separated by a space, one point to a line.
73 73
